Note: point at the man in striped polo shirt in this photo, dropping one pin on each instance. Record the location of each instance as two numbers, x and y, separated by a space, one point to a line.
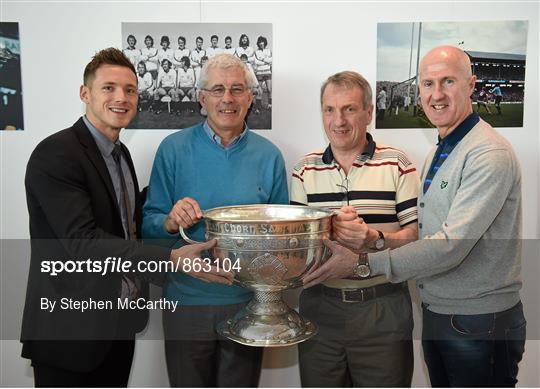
365 326
467 262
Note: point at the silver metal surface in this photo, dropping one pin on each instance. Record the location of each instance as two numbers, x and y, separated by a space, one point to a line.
275 246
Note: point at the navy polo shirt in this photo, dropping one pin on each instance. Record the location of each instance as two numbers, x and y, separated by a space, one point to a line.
447 144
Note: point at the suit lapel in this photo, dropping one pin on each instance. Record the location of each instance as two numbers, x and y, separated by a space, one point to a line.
95 157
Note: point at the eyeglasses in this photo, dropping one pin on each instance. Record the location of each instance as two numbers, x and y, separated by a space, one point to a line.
219 91
344 186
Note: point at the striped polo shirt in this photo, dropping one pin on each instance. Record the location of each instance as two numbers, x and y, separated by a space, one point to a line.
382 185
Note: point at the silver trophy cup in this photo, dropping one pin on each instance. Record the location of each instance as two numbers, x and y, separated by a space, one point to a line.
274 245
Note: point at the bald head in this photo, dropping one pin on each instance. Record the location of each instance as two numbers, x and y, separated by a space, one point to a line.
449 55
446 84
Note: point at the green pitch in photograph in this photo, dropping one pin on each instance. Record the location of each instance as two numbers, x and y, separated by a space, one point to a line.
497 50
511 116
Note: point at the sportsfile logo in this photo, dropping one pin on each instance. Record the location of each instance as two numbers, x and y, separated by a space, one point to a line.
118 265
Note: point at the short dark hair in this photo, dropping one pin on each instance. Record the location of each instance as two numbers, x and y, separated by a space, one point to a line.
262 39
242 37
108 56
228 38
131 36
186 61
214 36
181 38
149 37
164 38
143 64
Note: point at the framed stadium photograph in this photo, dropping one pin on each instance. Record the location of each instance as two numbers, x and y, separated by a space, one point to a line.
497 50
168 58
11 105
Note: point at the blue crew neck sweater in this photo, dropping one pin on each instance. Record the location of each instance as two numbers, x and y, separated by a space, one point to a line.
190 164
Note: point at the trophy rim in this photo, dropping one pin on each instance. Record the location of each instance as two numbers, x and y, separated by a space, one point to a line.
325 212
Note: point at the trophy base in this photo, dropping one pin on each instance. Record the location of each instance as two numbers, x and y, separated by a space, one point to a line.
267 322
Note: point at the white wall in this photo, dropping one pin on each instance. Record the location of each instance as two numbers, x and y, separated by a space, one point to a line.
311 41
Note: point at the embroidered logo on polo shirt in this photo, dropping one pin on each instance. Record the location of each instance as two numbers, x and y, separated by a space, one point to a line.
444 184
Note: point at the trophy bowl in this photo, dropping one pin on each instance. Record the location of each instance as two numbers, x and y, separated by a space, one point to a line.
274 245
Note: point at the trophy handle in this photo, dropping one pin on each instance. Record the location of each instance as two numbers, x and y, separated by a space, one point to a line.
187 238
191 241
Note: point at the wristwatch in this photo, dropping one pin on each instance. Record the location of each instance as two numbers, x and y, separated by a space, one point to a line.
362 270
380 242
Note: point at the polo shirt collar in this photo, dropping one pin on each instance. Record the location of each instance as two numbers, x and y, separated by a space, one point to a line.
217 139
460 131
369 150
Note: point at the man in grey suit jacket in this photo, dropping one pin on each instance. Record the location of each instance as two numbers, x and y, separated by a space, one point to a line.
467 262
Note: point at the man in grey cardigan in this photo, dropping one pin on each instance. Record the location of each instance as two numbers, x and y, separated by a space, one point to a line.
467 262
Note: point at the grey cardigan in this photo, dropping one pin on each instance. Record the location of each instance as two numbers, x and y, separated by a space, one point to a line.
468 258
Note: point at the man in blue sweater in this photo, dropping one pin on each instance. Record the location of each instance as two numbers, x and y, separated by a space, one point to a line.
216 163
467 263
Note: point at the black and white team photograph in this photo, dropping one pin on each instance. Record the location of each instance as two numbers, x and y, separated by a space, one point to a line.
168 58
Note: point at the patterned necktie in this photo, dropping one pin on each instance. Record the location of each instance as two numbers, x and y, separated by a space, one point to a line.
130 285
132 229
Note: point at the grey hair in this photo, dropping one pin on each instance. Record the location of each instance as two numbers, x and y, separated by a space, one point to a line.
350 79
226 61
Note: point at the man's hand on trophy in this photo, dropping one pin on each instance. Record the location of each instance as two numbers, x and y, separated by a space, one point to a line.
350 230
184 213
188 260
340 265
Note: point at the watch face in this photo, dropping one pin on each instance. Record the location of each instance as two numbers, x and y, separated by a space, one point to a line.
379 243
363 270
